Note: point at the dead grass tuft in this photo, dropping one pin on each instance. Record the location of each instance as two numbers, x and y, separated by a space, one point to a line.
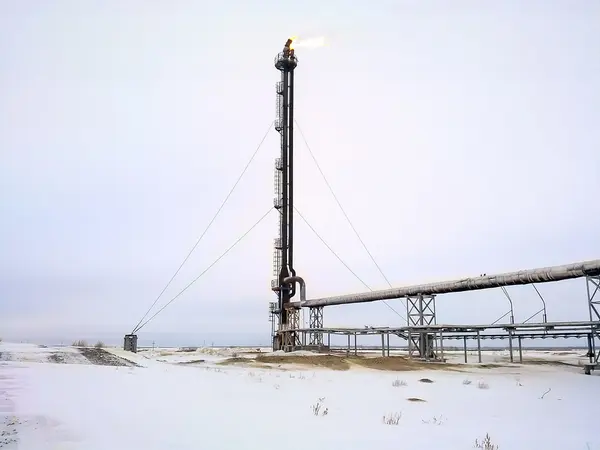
490 366
399 363
316 409
327 361
485 443
339 362
436 420
392 419
234 360
193 361
395 363
546 362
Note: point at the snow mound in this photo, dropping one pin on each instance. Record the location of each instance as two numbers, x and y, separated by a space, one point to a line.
31 353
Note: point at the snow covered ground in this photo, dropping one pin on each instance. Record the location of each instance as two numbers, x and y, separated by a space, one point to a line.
55 398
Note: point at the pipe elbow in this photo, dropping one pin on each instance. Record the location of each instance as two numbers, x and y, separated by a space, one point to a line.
300 281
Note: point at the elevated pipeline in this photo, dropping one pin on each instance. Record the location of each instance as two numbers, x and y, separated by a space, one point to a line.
541 275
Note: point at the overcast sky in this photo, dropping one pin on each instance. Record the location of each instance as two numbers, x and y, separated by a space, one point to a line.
461 137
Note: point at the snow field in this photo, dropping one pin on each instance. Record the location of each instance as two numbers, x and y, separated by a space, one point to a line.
206 405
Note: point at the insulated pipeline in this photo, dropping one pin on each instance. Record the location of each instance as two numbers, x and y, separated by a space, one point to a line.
541 275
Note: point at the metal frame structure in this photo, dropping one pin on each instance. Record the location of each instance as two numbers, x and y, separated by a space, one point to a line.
422 332
289 337
464 333
273 317
315 322
420 313
283 256
593 295
425 337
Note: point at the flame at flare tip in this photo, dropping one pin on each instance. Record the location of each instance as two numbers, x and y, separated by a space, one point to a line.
307 43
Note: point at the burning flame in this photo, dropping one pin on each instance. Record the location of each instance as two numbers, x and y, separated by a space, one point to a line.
293 39
315 42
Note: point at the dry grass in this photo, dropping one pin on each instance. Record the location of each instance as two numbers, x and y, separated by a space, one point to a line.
547 362
490 366
436 420
235 360
340 362
398 363
327 361
485 443
334 362
193 361
392 419
99 344
316 408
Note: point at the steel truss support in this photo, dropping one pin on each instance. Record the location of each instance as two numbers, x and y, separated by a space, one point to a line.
593 294
315 321
420 312
290 337
273 318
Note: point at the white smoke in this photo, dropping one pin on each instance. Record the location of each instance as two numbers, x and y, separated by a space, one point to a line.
315 42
